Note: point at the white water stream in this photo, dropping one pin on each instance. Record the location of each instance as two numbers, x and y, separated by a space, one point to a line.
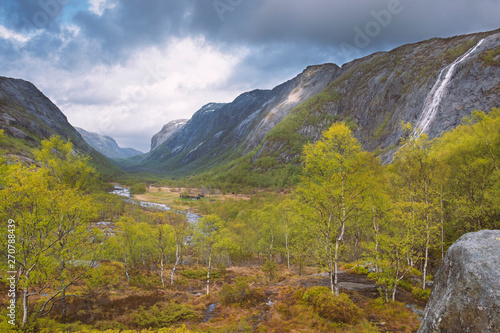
438 90
125 192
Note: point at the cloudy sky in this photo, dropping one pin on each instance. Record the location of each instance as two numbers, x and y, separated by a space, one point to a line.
124 68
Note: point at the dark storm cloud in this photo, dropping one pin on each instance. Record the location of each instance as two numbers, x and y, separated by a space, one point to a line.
297 26
30 15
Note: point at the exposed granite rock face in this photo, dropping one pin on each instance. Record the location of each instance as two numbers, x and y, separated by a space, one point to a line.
216 131
378 92
466 295
26 113
166 132
107 145
374 94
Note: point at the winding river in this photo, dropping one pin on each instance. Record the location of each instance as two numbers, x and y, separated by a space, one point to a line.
125 193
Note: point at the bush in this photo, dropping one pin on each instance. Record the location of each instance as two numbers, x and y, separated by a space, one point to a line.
360 270
271 269
200 274
139 188
348 266
241 294
421 294
405 285
338 309
163 315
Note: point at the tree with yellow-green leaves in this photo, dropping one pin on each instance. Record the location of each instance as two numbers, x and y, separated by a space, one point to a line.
471 154
335 179
211 236
54 244
415 170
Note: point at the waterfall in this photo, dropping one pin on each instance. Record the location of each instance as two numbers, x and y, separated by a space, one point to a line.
438 90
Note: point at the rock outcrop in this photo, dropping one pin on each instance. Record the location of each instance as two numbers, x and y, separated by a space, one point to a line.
26 114
466 295
106 145
166 132
217 130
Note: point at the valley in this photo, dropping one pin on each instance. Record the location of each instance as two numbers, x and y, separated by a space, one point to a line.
325 204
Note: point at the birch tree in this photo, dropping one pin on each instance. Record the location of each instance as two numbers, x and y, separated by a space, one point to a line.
334 179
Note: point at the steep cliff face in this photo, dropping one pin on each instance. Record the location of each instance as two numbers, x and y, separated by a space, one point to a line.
431 84
375 94
107 145
166 132
219 132
466 295
27 115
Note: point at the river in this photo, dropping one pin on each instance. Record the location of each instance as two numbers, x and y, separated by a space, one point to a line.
125 193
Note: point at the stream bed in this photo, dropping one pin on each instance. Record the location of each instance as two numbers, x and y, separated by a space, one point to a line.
125 193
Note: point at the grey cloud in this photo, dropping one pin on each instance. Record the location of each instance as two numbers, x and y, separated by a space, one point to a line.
29 15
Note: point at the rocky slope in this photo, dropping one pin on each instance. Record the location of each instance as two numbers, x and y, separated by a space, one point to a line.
107 145
466 295
27 116
431 84
166 132
219 132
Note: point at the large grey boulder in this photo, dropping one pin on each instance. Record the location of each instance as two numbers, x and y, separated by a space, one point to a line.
466 295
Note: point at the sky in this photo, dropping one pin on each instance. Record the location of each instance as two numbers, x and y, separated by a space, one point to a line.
124 68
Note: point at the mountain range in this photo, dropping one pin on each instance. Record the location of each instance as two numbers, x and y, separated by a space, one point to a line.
431 84
442 78
107 145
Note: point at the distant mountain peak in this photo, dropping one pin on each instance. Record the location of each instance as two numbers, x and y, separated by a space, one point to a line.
106 145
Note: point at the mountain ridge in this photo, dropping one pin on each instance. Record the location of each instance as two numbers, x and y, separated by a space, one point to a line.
27 117
106 145
373 94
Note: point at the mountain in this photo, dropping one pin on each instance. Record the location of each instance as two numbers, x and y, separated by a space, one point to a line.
27 116
107 145
432 85
217 132
167 131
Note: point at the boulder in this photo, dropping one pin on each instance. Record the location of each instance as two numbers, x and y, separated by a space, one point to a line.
466 295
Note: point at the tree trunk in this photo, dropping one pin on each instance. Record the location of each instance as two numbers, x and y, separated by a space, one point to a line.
161 273
271 247
427 236
287 253
209 267
25 307
442 222
126 269
63 303
177 261
376 230
336 282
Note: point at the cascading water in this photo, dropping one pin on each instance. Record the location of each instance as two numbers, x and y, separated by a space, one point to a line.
438 90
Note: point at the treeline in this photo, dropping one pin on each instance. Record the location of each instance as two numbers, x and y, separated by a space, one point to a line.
394 222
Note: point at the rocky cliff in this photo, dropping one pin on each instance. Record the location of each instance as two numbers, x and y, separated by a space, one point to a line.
431 84
219 132
466 295
28 116
107 145
166 132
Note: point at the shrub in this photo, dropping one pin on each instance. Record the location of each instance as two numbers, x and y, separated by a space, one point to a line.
163 314
139 188
348 266
338 309
405 285
360 270
271 269
421 294
241 294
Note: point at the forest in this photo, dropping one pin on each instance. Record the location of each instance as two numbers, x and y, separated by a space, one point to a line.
85 260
